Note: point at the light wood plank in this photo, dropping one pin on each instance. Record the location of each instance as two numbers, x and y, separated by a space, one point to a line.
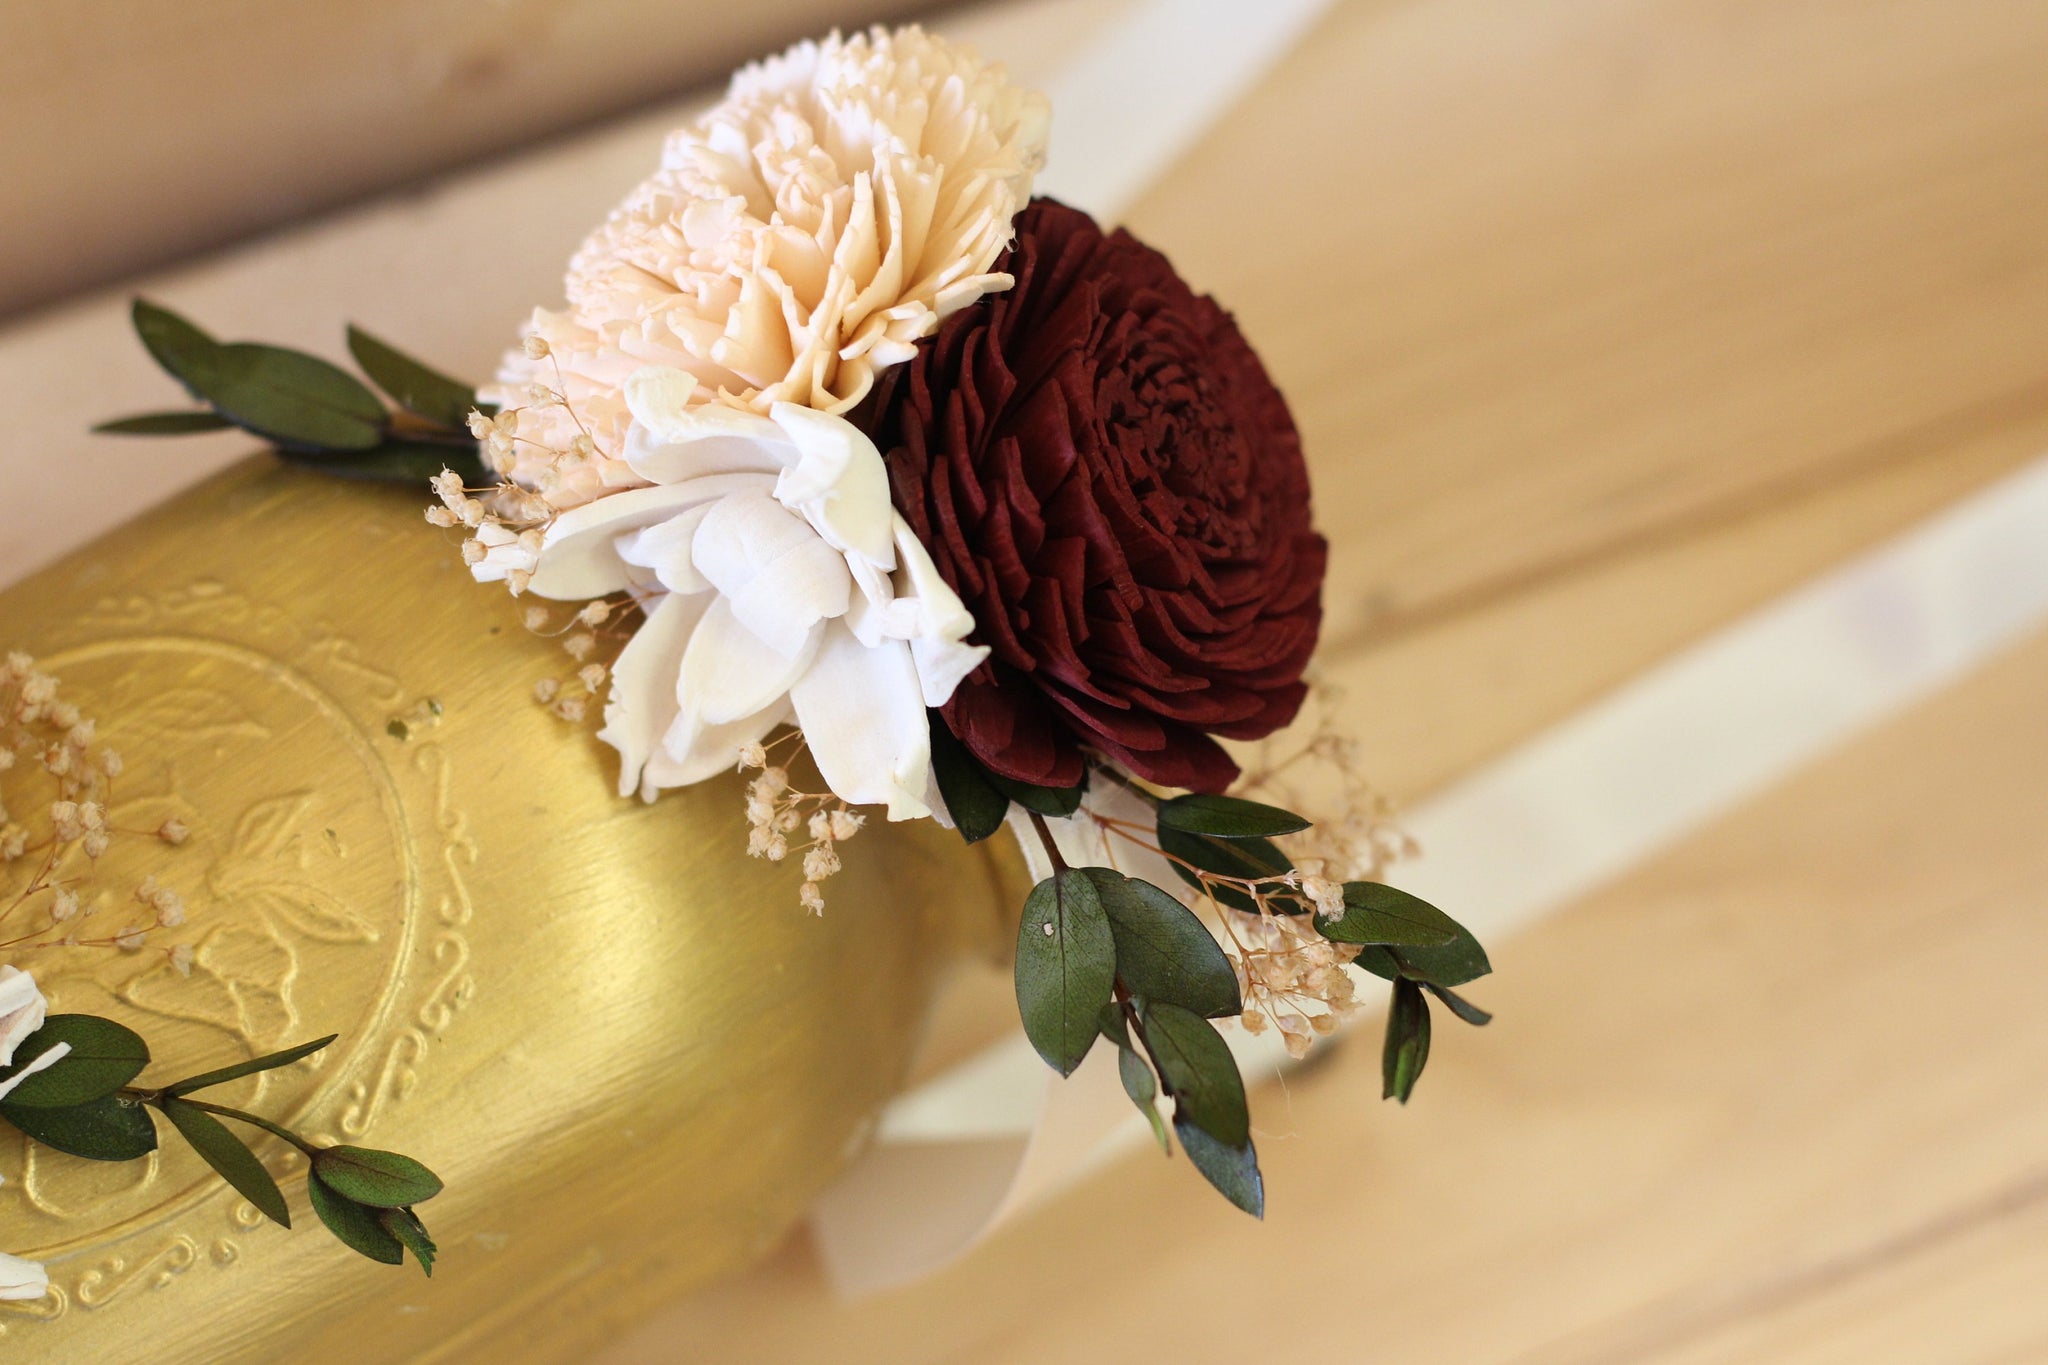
1724 1103
1542 279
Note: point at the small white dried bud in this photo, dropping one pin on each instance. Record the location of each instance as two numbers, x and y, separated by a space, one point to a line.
544 691
583 447
479 425
174 831
594 613
753 755
535 346
517 579
536 619
810 898
472 552
847 823
821 826
441 517
95 844
591 676
580 645
111 763
447 485
64 905
821 862
170 909
181 959
130 940
571 709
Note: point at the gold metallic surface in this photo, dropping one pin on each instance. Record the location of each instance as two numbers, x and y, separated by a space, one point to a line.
631 1056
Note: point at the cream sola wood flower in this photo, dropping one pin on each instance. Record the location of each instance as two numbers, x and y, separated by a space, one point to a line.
803 234
779 583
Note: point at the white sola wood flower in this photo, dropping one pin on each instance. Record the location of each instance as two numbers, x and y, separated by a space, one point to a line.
22 1012
779 583
800 236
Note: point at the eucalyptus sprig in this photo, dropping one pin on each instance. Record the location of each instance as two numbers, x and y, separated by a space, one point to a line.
83 1105
1101 955
313 413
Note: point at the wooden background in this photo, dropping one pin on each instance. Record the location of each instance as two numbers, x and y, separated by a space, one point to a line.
1606 320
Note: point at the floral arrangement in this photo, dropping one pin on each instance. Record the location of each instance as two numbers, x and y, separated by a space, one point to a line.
846 446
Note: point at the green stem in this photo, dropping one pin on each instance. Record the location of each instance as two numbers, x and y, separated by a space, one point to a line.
244 1116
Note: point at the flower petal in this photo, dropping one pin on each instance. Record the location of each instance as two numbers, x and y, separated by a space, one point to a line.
21 1280
671 441
691 752
863 716
578 559
779 576
730 673
22 1010
664 548
642 703
839 483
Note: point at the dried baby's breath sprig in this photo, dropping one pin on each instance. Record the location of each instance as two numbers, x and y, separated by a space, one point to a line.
776 810
56 826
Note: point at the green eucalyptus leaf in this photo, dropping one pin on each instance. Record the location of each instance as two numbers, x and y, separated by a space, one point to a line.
298 400
268 1062
418 389
1249 859
1232 1169
1381 962
1066 968
1143 1088
1196 1068
405 1225
104 1057
384 1180
289 397
1058 802
1228 817
1386 915
1407 1047
164 424
1135 1072
1163 950
398 462
1459 1005
174 343
110 1128
230 1158
1452 964
972 798
353 1224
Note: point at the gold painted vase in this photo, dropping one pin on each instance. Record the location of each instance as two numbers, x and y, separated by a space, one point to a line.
631 1056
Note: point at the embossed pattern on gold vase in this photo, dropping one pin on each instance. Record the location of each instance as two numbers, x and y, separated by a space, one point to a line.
632 1058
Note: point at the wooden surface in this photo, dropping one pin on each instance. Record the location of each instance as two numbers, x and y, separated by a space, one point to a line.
1605 320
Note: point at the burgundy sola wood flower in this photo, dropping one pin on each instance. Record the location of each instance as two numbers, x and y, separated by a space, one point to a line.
1104 472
